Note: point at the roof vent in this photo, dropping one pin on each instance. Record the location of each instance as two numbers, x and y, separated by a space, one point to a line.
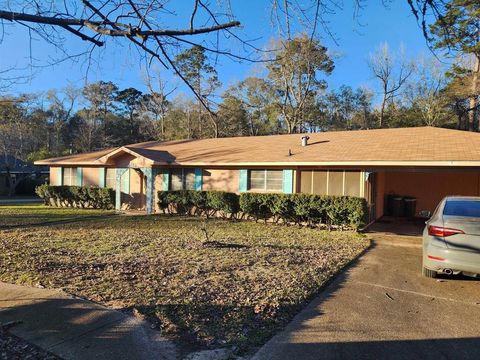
305 140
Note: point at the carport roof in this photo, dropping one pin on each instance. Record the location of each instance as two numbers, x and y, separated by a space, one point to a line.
421 146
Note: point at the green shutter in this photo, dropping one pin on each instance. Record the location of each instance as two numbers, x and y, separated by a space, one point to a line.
165 179
288 181
59 176
101 177
198 179
126 181
242 180
79 176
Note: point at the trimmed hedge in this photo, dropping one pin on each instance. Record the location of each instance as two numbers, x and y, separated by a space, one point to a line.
343 211
191 202
77 196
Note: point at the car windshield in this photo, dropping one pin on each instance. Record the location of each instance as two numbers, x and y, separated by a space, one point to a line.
470 208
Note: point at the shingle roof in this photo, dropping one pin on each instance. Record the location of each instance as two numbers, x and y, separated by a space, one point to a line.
400 146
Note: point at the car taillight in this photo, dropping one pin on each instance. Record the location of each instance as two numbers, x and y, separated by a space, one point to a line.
440 231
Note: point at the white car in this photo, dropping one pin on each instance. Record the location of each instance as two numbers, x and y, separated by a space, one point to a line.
451 238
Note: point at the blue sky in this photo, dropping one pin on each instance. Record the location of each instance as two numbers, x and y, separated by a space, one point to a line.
356 39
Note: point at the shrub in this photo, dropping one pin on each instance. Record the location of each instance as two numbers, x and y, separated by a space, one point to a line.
281 207
27 185
222 202
163 200
257 205
79 196
344 211
180 201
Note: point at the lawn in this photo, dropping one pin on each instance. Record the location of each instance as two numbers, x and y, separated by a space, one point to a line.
238 288
31 214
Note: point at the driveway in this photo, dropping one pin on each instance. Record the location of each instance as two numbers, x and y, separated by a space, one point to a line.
382 307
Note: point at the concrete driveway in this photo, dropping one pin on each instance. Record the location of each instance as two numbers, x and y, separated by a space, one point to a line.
382 308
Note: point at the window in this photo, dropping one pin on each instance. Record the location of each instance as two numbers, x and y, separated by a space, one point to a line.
464 208
352 183
265 180
69 176
110 178
331 182
182 179
335 183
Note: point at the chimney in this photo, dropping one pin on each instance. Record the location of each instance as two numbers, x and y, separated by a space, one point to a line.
305 140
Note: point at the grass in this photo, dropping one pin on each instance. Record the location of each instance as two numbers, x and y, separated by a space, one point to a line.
239 288
32 214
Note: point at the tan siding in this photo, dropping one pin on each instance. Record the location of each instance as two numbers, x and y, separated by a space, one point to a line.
91 176
137 190
128 160
54 180
220 180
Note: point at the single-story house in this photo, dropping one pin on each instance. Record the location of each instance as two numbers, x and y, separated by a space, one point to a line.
425 162
14 170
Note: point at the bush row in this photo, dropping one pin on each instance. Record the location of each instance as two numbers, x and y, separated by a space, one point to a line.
77 196
288 208
188 202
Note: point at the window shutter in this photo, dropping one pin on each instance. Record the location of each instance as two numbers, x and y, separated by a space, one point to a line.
288 181
242 180
101 177
165 179
198 179
79 176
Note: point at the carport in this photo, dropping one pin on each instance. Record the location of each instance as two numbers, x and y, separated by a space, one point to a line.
427 185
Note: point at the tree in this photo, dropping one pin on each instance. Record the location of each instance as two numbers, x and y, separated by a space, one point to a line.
233 117
457 30
154 106
345 108
258 98
363 117
92 122
130 101
425 92
60 110
392 72
197 71
295 76
140 23
17 135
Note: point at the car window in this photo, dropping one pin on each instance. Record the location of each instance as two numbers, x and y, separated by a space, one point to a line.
462 208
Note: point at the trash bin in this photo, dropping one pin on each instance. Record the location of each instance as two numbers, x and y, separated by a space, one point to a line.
388 207
398 206
410 207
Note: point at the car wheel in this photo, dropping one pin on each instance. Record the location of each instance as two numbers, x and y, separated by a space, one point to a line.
429 273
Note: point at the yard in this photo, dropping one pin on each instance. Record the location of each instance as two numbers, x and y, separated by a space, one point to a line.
32 214
237 288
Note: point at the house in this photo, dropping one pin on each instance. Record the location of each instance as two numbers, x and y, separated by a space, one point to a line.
425 162
13 170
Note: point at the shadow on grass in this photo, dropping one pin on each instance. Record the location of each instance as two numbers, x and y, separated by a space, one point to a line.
28 221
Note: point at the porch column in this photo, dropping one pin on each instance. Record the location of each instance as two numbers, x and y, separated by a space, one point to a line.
118 187
150 196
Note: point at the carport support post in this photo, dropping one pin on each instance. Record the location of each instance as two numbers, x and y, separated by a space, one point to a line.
118 188
149 174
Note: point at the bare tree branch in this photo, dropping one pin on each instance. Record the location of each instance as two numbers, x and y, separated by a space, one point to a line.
118 29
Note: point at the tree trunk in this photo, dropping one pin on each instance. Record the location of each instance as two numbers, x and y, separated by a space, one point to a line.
382 110
473 103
